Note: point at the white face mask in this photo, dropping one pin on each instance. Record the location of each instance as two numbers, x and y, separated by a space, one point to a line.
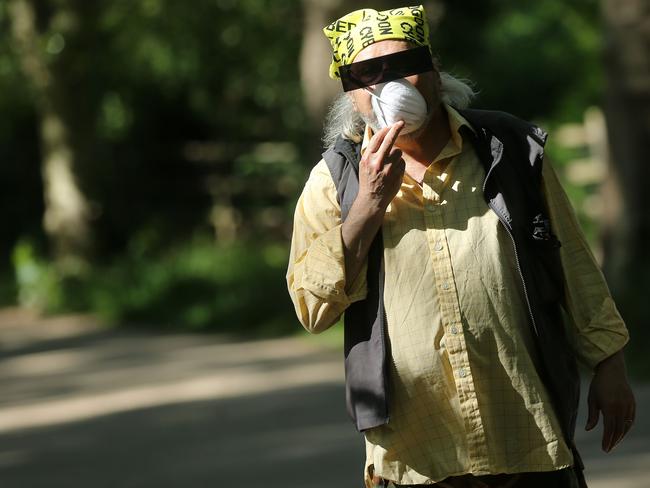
399 100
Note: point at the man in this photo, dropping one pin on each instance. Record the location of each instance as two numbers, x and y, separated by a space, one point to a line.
468 288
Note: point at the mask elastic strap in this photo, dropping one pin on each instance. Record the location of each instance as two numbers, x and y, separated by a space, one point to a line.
379 105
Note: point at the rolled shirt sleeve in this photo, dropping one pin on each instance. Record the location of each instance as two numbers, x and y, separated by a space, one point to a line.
595 326
316 277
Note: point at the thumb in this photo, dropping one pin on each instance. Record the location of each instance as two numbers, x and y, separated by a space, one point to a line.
594 413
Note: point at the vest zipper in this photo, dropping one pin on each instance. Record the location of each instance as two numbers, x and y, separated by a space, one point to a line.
514 247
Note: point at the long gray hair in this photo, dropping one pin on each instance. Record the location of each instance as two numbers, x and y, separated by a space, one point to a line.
343 120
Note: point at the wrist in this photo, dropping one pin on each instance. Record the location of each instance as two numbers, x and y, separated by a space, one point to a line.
368 208
614 362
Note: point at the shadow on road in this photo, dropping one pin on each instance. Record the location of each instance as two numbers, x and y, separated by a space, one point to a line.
285 438
82 406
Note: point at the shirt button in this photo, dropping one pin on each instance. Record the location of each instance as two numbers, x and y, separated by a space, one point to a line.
462 373
439 246
445 286
454 329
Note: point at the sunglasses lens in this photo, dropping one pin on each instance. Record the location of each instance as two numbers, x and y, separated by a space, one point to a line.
385 68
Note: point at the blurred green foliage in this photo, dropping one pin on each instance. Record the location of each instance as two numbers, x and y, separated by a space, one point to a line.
194 285
139 81
189 127
539 60
174 109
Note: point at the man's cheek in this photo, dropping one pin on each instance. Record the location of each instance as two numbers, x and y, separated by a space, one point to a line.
362 101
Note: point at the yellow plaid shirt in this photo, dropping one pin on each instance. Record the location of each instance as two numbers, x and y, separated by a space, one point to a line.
465 396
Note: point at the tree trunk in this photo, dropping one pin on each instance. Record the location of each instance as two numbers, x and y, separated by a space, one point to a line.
318 89
66 217
627 107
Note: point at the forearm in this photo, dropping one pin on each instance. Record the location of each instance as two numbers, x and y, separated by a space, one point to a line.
357 232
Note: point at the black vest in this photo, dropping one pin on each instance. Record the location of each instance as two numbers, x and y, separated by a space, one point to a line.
511 151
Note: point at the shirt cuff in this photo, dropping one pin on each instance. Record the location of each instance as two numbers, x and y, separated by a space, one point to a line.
605 335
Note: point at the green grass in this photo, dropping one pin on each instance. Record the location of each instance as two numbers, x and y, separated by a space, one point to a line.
238 288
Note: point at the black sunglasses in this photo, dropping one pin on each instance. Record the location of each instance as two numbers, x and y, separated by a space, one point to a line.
385 68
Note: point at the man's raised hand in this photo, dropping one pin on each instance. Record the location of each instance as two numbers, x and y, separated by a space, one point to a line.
381 168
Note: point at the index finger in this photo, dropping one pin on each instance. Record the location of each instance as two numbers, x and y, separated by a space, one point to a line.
391 137
377 139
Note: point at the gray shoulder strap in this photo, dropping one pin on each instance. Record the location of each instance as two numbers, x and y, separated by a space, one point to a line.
342 159
335 162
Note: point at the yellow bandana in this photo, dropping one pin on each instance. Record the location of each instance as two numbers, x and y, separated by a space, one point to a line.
357 30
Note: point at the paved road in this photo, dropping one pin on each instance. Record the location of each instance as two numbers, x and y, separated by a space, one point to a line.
85 407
